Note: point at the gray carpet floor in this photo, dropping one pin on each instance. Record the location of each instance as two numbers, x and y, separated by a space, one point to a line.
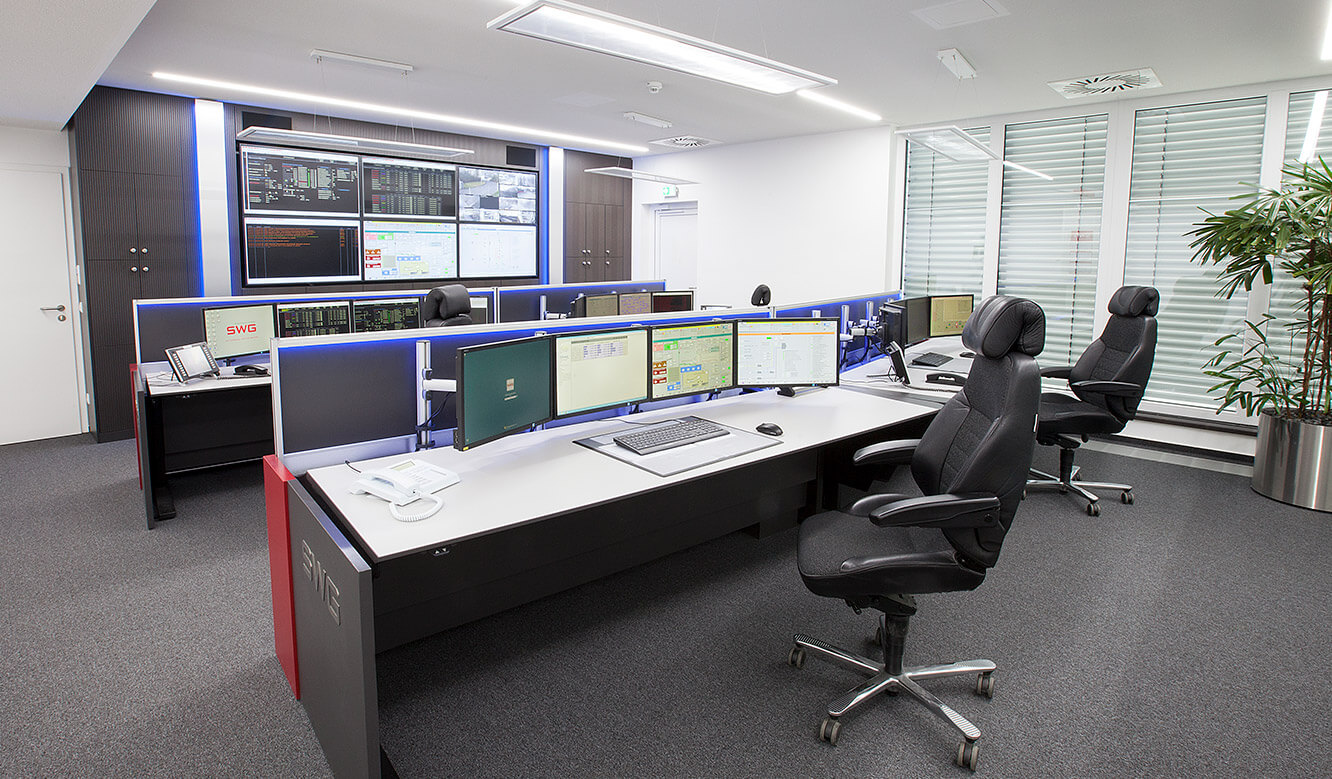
1182 635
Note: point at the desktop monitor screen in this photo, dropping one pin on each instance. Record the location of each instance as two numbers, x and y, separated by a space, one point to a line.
369 316
635 303
916 320
235 331
600 370
603 305
672 301
786 352
949 313
480 310
295 319
689 359
503 388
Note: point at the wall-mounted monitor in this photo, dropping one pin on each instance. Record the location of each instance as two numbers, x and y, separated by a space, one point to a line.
786 352
503 388
302 251
497 196
600 370
663 302
237 331
635 303
411 189
408 251
322 318
949 314
603 305
691 359
369 316
497 250
300 182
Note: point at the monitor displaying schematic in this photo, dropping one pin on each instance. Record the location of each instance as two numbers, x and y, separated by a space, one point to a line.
406 251
635 303
297 319
786 352
369 316
600 370
949 314
497 250
692 359
237 331
503 388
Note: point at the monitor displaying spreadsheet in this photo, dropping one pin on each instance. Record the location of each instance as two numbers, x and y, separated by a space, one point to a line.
786 352
600 370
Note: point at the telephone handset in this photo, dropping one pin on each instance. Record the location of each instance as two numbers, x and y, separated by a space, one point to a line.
406 482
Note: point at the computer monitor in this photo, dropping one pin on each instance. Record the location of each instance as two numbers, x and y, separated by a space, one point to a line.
916 320
672 301
600 370
949 314
635 303
786 352
480 310
690 359
578 307
235 331
369 316
603 305
331 318
503 388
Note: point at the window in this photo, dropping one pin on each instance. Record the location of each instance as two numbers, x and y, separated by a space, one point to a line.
1049 231
1186 158
943 236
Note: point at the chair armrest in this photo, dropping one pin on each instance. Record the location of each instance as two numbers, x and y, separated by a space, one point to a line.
949 510
1118 388
1057 371
886 453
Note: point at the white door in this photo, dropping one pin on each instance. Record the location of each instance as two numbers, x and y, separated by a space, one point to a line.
40 390
676 231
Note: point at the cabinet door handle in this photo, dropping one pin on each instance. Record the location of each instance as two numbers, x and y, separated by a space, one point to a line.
134 269
133 250
607 252
608 262
53 308
145 269
144 250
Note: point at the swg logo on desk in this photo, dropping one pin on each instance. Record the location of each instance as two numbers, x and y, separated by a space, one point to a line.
323 585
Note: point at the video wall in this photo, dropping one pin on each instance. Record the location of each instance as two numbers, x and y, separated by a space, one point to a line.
316 217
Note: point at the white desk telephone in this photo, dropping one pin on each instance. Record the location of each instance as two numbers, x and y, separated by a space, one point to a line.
406 482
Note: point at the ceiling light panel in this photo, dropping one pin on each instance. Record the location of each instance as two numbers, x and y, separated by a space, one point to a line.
587 28
329 141
952 142
638 175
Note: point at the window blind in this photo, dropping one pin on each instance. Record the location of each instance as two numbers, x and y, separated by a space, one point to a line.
1049 231
1186 158
943 234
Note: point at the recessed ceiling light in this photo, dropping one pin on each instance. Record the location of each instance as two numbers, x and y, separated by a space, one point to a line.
832 102
640 175
571 24
545 136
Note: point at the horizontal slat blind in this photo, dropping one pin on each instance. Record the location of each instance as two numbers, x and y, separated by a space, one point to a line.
943 237
1187 158
1049 233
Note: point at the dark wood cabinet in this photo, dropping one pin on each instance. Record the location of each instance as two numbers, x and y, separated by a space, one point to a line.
596 221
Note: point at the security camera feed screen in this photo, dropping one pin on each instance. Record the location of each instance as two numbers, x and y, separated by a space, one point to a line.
497 196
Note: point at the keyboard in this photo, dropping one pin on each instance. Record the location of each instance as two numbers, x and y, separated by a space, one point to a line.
686 430
932 359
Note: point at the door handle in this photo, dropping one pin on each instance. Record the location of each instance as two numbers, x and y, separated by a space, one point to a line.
53 308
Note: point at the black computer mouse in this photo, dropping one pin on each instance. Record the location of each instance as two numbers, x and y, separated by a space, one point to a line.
967 355
769 428
946 378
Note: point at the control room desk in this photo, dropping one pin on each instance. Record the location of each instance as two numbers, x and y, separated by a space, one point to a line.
201 423
533 514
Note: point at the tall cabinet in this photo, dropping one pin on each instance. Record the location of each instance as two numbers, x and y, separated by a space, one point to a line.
134 153
596 220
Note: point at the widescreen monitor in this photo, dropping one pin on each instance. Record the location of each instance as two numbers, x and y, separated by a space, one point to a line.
603 305
503 388
663 302
371 316
949 314
302 251
691 359
635 303
236 331
600 370
786 352
297 319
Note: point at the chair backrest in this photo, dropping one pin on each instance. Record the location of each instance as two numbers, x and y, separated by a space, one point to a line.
446 306
981 441
1124 352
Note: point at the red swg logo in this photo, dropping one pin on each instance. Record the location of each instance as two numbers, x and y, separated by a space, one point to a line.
242 329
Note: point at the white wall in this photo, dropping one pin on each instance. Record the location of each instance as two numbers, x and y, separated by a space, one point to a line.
807 216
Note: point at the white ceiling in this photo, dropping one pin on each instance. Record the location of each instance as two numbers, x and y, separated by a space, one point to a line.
882 54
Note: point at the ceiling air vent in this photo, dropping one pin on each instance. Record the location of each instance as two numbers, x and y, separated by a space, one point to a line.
685 142
1106 83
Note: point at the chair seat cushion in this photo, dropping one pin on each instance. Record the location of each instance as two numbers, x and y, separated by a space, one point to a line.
844 556
1061 413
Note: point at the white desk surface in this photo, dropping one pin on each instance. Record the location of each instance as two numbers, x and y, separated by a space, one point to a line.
871 375
160 381
531 476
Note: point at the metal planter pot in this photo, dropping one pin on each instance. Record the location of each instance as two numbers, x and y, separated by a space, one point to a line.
1293 462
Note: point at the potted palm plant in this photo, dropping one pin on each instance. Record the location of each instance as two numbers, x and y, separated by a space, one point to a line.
1283 377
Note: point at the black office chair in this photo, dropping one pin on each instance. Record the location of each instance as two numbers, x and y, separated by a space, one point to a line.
970 464
1107 383
446 306
761 297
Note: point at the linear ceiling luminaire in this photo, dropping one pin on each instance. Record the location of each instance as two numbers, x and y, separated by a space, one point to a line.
587 28
327 141
639 175
356 59
952 142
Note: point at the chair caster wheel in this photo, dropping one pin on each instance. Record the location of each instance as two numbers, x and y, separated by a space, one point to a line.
829 730
1127 497
1093 509
985 684
968 754
797 657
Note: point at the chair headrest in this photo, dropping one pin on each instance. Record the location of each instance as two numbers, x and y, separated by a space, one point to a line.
1002 324
1135 301
761 297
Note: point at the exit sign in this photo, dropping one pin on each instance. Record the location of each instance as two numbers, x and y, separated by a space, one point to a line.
670 190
